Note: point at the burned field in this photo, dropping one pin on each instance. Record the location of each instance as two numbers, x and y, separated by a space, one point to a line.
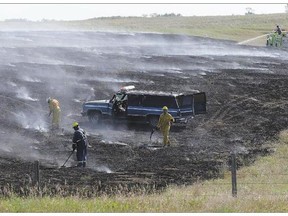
246 89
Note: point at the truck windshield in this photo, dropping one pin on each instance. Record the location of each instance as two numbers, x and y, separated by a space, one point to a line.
118 97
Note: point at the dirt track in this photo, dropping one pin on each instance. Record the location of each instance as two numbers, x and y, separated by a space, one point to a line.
246 90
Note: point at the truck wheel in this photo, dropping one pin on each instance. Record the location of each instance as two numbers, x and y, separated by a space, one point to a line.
95 117
153 120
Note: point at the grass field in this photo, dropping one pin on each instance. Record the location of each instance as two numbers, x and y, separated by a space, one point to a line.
237 28
262 187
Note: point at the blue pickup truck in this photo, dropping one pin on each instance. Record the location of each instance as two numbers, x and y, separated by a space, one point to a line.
145 106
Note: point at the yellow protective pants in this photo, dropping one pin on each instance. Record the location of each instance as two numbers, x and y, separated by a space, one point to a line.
56 119
165 132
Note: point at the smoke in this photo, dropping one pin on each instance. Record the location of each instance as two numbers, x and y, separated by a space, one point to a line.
240 150
19 146
115 80
31 79
103 168
74 67
22 93
77 100
27 149
12 84
32 121
78 66
15 143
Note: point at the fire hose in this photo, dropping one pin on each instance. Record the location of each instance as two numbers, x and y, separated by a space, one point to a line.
68 157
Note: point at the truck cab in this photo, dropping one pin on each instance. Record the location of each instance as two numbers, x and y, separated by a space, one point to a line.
146 106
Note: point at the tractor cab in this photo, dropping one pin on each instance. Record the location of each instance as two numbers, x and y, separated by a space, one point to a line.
277 40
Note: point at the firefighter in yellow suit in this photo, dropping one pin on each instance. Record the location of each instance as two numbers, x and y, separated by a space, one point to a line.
164 124
54 108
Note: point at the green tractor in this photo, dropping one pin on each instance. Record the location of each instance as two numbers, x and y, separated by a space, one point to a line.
276 40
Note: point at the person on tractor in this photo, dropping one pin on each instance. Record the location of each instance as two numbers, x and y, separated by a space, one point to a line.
278 30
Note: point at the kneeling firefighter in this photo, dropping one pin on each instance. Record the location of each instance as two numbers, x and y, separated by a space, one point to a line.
80 143
164 125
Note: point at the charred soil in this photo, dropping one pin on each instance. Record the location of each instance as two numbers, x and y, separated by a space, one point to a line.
246 107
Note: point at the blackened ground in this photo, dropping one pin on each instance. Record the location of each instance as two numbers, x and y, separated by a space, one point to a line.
246 91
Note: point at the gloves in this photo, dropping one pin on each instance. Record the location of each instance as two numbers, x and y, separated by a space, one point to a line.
73 146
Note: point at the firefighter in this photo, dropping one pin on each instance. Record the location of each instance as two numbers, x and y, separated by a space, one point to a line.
278 30
54 108
80 144
164 124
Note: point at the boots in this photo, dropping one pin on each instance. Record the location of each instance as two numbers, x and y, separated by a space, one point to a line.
81 164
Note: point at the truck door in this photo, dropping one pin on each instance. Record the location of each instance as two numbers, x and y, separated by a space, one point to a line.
134 105
117 105
185 103
110 105
199 103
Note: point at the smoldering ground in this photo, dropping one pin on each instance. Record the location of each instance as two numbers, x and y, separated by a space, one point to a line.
245 88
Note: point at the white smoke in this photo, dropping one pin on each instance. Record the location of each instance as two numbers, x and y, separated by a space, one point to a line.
116 80
31 79
31 121
23 93
103 168
12 84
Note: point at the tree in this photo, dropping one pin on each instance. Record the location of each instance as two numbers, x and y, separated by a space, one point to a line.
249 11
153 15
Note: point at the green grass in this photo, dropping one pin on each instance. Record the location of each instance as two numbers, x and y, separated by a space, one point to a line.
237 28
207 196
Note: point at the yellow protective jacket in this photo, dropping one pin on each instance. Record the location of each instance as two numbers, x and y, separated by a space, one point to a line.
165 121
54 105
